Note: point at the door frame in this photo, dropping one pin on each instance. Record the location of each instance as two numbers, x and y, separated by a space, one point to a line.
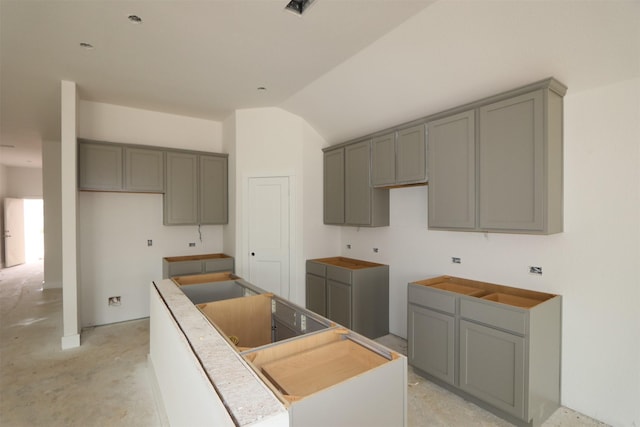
244 229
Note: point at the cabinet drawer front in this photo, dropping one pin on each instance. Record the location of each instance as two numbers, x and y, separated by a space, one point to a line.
222 264
316 268
339 274
185 267
426 297
494 314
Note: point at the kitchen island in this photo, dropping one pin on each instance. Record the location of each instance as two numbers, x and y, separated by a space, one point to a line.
320 375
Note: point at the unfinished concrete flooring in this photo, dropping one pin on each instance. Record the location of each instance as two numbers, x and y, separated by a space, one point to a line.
106 382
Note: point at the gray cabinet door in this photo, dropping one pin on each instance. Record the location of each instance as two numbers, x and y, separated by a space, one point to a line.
357 190
213 190
181 196
511 164
100 167
492 366
383 160
431 339
316 294
411 155
144 170
339 302
334 186
452 172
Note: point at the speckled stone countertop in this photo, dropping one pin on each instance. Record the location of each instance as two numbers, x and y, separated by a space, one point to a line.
246 397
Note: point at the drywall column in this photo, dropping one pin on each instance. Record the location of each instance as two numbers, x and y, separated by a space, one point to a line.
51 169
69 197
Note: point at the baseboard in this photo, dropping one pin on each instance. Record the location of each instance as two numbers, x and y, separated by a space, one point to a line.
70 341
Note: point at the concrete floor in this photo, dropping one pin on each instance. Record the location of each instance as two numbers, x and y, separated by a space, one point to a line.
105 382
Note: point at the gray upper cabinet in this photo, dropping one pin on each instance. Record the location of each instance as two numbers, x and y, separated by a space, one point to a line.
196 189
498 166
334 186
348 197
100 166
383 160
181 196
213 190
144 170
452 172
399 158
520 164
115 167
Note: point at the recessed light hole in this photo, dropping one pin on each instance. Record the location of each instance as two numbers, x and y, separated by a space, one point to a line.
135 19
85 45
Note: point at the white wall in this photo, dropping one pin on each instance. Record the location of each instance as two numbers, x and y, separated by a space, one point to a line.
114 228
593 264
3 194
273 142
51 192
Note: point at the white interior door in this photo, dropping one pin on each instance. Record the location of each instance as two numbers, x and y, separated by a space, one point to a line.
268 234
14 252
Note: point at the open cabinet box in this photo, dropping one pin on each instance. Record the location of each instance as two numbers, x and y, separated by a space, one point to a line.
323 377
258 320
203 288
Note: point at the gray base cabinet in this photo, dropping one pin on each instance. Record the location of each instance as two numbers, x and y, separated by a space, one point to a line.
496 345
196 264
351 292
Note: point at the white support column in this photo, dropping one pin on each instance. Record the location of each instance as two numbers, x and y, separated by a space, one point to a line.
69 196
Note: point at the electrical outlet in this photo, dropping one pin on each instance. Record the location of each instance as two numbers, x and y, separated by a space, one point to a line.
535 270
192 245
115 301
456 260
149 242
349 246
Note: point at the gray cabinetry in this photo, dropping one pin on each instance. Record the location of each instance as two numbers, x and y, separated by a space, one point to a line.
196 189
334 186
213 190
496 345
143 170
116 167
399 158
498 166
431 342
351 292
452 172
100 167
348 197
196 264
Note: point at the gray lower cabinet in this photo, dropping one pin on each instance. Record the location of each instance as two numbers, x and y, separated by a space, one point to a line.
399 158
115 167
348 197
196 189
498 166
351 292
495 345
196 264
431 342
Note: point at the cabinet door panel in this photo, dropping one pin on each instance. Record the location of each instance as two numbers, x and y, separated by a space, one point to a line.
213 190
181 197
383 160
452 172
511 164
144 170
339 303
100 167
411 155
357 190
316 294
492 366
432 342
334 186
